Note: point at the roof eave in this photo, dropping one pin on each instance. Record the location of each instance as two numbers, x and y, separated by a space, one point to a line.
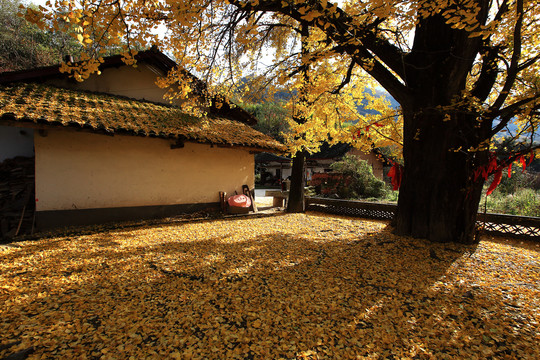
42 124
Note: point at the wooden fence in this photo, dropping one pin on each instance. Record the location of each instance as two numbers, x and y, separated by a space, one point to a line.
522 226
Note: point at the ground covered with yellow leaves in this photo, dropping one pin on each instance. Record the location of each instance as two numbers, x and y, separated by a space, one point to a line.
290 286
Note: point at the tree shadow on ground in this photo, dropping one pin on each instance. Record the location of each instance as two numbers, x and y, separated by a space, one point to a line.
175 221
241 289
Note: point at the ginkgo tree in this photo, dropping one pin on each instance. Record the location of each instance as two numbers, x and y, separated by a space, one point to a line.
463 71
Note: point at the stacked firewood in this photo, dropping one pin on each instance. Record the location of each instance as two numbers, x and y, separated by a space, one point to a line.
17 204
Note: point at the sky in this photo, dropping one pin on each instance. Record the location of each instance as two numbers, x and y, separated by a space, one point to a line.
36 2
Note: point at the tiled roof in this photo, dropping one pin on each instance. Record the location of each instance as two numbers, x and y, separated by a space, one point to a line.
221 106
44 104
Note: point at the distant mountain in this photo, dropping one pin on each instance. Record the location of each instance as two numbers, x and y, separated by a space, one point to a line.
285 95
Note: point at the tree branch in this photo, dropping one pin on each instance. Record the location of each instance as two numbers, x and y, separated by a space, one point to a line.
528 63
359 42
346 80
506 114
514 63
488 74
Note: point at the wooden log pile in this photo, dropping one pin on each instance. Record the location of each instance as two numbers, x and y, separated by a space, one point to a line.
17 199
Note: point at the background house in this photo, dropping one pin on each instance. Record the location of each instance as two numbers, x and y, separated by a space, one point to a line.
110 148
274 168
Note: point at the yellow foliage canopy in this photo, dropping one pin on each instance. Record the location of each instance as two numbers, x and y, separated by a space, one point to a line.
352 46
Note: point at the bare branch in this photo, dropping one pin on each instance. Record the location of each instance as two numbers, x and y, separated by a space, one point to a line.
514 63
361 43
506 114
346 80
528 63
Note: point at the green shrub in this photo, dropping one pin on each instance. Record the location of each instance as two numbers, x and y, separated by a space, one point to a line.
361 183
392 195
519 180
518 195
523 201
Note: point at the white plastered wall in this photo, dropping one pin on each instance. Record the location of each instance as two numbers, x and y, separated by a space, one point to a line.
79 170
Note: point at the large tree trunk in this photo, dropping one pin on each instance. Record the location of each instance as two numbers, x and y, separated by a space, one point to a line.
439 196
296 193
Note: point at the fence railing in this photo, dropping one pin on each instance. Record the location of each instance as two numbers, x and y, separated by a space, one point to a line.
493 223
